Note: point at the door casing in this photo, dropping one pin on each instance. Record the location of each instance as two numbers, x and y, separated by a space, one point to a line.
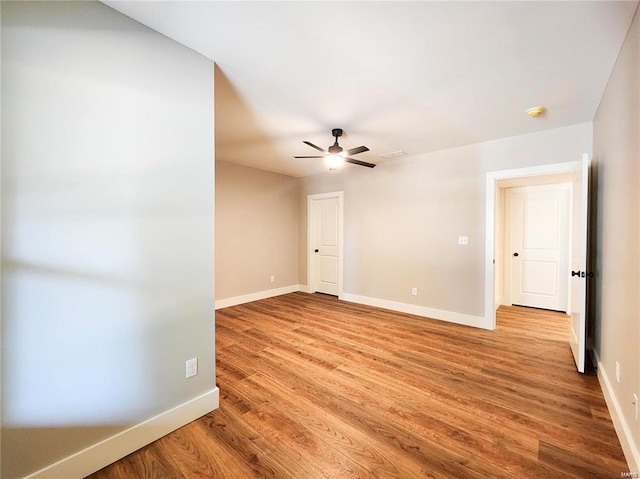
491 201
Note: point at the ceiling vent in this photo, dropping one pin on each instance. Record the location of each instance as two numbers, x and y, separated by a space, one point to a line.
394 154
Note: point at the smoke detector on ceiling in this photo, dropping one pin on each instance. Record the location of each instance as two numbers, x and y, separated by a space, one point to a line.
536 111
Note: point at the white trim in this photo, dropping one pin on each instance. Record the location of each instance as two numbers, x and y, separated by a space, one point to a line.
258 295
310 269
490 257
491 190
103 453
449 316
629 447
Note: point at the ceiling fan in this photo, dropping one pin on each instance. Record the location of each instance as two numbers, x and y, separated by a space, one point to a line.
336 155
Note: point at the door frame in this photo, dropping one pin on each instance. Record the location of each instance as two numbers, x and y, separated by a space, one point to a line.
311 263
491 201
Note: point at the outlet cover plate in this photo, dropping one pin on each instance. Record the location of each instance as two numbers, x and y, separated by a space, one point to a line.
191 367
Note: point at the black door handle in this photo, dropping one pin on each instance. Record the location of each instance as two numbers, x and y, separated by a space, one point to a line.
583 274
315 250
516 254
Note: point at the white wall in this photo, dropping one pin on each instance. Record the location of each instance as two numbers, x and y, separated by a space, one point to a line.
403 219
107 228
617 232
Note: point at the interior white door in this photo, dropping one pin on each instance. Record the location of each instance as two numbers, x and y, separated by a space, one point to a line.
325 242
539 245
579 255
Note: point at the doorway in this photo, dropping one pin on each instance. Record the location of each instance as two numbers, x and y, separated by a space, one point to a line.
577 173
498 182
325 243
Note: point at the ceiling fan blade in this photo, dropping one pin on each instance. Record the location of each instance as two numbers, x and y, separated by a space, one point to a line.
308 156
314 146
355 151
358 162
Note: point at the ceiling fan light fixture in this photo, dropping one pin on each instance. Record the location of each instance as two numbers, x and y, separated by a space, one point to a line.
335 155
334 161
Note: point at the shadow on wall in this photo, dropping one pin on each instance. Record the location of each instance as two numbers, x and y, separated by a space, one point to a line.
594 294
62 372
239 136
64 387
56 440
107 227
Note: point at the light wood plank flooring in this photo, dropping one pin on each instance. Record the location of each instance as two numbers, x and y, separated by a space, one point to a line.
312 387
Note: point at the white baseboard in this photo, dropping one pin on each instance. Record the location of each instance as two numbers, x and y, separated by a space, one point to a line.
629 447
94 458
247 298
450 316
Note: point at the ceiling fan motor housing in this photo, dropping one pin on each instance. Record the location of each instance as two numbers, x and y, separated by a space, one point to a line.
335 148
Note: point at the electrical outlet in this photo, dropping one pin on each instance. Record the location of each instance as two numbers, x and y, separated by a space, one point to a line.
414 291
192 367
272 279
635 403
463 240
617 372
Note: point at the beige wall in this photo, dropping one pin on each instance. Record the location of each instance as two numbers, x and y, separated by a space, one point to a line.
403 218
617 163
256 230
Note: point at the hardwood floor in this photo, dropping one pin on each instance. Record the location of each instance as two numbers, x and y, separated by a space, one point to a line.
313 387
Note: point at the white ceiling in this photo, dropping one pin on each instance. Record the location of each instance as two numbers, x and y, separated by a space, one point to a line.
412 76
